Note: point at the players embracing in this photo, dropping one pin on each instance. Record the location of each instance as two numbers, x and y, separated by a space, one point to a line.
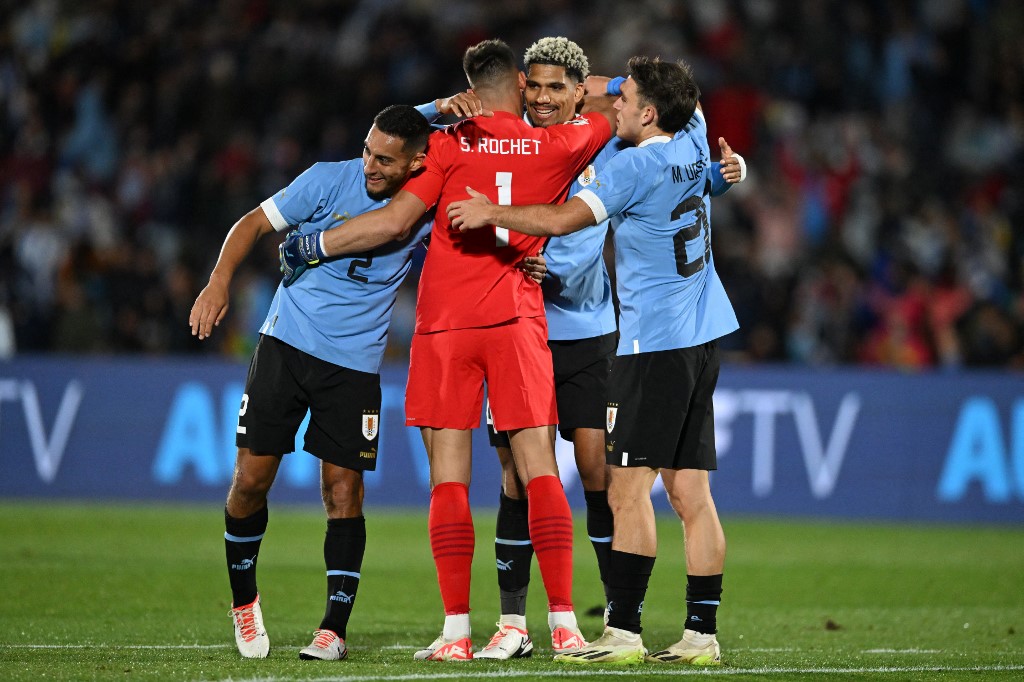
673 307
492 328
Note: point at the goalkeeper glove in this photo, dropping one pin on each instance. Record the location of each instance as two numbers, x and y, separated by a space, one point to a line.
297 252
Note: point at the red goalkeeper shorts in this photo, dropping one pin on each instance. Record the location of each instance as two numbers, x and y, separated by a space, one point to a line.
447 371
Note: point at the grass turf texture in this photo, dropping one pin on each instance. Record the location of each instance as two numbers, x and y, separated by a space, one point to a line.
141 593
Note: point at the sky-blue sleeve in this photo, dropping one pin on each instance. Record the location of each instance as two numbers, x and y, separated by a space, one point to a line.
307 194
617 184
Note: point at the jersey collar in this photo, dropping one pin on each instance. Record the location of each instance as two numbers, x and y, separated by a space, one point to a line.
657 139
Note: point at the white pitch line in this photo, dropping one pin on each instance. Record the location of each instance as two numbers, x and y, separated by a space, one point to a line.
601 672
902 651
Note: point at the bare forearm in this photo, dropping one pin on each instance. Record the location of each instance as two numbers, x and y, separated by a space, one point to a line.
239 242
538 220
370 230
364 233
544 220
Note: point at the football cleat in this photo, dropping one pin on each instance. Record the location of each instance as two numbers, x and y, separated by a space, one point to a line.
616 646
441 649
250 635
326 646
565 640
508 642
695 648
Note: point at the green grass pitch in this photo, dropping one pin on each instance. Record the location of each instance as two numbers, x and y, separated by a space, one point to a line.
119 592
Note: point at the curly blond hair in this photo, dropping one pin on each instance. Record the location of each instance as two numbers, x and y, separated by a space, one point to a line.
559 51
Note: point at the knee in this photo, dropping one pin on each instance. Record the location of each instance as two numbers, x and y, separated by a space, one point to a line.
593 473
343 495
621 504
250 485
688 506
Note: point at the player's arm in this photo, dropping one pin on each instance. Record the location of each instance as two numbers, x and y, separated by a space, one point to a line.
603 105
212 303
462 104
374 228
541 220
357 235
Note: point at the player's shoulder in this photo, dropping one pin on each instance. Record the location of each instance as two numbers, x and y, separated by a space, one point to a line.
325 175
334 169
444 137
578 120
697 125
577 125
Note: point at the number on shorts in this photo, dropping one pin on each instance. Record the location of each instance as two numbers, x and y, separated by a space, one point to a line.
241 412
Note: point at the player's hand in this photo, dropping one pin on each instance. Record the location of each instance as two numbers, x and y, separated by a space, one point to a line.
596 85
210 307
464 104
733 167
535 267
472 213
297 253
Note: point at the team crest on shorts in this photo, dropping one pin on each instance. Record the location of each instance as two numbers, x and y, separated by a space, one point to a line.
613 411
371 420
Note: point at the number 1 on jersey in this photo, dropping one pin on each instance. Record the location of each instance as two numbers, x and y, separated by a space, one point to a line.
503 181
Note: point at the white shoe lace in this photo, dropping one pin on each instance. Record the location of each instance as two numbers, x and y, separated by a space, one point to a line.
498 636
324 639
245 621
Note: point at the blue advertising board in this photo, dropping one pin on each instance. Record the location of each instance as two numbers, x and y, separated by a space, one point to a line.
839 443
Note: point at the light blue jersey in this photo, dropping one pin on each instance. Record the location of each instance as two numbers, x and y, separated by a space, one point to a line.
339 311
658 195
577 289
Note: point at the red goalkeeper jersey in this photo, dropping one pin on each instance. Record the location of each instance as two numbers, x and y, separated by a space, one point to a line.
470 279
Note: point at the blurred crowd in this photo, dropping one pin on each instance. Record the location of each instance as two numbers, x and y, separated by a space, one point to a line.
882 222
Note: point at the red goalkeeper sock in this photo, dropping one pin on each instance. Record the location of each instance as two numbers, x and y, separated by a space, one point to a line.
452 540
551 532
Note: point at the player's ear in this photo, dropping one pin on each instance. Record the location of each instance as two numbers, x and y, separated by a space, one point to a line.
417 162
522 81
578 93
648 116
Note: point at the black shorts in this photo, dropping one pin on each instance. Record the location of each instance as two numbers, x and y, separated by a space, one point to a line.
344 407
660 409
581 384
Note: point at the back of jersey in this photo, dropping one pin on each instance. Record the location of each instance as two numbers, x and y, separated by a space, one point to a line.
470 279
669 293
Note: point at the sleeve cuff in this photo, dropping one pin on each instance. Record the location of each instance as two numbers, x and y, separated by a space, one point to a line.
429 111
274 215
743 166
595 204
614 86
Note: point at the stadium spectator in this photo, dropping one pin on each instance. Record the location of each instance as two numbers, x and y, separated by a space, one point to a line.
145 114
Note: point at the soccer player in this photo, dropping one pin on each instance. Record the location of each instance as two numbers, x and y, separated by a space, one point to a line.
672 309
581 335
478 319
320 348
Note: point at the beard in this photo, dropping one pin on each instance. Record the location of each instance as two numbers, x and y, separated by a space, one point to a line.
381 194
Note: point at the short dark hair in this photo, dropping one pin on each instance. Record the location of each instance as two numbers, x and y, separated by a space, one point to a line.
667 86
403 121
488 63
